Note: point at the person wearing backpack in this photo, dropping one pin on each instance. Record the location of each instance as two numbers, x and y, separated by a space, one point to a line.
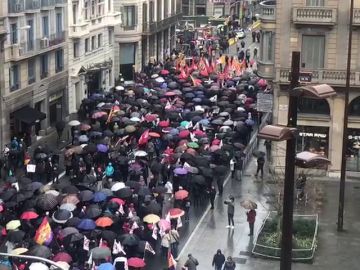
191 263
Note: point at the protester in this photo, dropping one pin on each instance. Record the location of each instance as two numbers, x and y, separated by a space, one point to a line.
218 260
230 212
260 166
229 264
251 215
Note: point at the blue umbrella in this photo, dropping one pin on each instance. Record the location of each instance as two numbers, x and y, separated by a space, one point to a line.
106 266
204 122
249 122
99 197
180 171
102 148
86 224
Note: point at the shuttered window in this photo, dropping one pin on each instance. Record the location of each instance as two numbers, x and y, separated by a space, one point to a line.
315 3
312 52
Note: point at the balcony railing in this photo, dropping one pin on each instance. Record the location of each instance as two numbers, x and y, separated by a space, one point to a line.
328 76
265 70
153 27
79 30
47 3
314 15
268 11
32 4
16 6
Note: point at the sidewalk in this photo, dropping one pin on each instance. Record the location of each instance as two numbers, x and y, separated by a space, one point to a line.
335 249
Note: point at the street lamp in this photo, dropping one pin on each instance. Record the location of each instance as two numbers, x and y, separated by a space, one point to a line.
282 133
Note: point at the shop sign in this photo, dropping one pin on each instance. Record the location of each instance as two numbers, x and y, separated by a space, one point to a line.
354 137
55 96
312 135
304 77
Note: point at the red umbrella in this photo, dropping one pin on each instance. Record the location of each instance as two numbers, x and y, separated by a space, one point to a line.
85 127
150 117
184 134
62 257
118 201
28 215
136 262
164 72
170 94
181 194
164 123
104 222
154 135
176 212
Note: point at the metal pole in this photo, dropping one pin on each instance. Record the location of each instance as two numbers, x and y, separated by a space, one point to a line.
288 201
340 223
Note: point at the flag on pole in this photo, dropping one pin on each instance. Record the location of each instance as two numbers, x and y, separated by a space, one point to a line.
101 242
167 218
118 248
144 138
44 234
171 262
86 245
196 82
213 99
90 260
121 209
149 248
155 232
179 223
130 215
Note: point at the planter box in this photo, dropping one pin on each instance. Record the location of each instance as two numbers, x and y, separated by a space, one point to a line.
267 242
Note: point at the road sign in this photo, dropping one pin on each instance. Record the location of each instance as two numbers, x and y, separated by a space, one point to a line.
264 102
304 77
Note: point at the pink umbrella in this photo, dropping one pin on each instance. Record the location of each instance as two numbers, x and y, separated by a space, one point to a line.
164 72
164 225
262 83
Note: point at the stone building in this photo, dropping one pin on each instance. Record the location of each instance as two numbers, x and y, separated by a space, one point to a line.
33 70
319 29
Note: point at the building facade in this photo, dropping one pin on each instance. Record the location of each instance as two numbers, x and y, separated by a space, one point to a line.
319 29
33 75
147 30
91 48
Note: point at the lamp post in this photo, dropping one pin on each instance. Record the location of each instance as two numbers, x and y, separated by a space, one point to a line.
281 133
340 222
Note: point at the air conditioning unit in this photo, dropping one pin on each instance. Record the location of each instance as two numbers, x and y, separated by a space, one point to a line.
44 42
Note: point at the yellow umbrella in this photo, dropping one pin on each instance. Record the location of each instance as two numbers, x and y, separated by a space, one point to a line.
231 41
19 251
256 25
13 225
151 219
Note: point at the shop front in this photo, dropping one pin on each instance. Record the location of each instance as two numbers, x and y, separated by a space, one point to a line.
55 108
127 60
313 139
353 150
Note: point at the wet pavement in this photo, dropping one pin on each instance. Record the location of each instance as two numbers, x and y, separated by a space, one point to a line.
334 250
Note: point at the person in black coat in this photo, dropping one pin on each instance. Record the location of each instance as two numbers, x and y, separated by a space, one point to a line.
218 260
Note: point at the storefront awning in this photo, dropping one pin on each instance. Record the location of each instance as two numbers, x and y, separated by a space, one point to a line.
29 115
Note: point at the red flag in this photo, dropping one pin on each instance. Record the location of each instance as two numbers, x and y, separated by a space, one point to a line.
171 262
144 138
44 234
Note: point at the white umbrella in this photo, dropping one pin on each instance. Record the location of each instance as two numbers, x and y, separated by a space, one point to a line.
38 266
154 76
160 80
140 153
100 104
135 119
53 192
68 206
117 186
74 123
64 265
119 88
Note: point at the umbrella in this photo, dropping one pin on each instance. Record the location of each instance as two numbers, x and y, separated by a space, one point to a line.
68 231
88 178
176 212
68 206
98 115
118 201
100 253
106 266
61 216
180 171
93 211
117 186
248 204
136 262
124 193
38 266
86 224
40 251
86 195
130 240
83 138
13 224
70 189
16 236
102 148
74 150
258 153
63 257
140 153
164 225
99 196
130 129
151 218
74 123
72 198
144 191
154 135
159 189
181 194
108 235
104 222
153 208
85 127
41 156
74 221
19 251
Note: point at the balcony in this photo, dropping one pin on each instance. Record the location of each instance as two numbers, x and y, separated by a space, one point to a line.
60 3
154 27
47 4
17 52
320 76
356 18
79 30
268 11
15 7
113 19
32 6
322 16
265 70
3 30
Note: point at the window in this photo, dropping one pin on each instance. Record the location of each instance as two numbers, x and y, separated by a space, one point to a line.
14 73
109 5
93 42
86 9
267 47
129 16
172 7
74 12
99 40
185 10
14 33
315 3
200 10
110 37
151 12
93 7
312 52
166 9
87 49
30 35
45 26
59 27
76 53
158 10
59 60
44 66
31 71
219 10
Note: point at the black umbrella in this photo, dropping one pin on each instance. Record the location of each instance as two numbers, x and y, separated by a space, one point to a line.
108 133
61 216
93 211
153 208
90 148
124 193
198 179
72 238
86 195
108 235
143 191
73 222
129 240
70 190
23 181
11 179
159 189
15 236
41 156
90 179
6 195
19 197
40 251
132 184
47 202
258 153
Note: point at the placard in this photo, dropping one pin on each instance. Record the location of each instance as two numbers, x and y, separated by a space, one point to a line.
31 168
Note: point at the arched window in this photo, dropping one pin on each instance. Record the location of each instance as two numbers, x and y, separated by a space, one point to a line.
313 106
354 107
